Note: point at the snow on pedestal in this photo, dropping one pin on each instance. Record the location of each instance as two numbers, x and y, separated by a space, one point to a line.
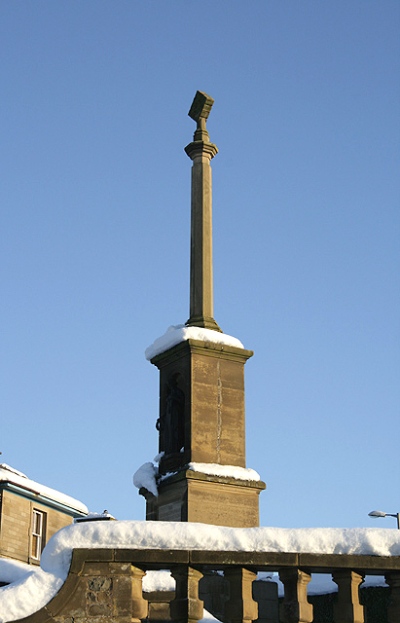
180 333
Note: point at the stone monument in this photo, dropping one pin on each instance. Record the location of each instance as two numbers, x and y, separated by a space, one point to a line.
202 401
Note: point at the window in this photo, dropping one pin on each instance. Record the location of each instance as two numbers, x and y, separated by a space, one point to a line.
38 533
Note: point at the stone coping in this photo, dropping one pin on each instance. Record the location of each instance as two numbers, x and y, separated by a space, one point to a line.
204 348
151 559
190 474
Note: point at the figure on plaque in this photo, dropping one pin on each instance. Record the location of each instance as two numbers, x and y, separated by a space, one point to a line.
172 422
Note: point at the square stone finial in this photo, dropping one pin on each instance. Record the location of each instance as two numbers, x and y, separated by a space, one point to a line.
201 106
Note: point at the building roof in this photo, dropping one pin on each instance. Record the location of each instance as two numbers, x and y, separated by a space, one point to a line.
18 482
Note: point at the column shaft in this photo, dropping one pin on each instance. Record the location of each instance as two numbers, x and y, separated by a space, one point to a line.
201 262
201 265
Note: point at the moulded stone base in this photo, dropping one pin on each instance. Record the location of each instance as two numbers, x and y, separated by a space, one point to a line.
195 497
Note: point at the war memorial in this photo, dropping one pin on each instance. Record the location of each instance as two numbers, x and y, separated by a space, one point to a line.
202 504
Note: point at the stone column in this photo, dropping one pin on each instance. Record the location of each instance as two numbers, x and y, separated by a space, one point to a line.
186 607
348 608
295 607
201 151
393 579
240 608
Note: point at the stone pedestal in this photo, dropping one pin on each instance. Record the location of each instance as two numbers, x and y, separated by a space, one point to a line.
202 411
202 420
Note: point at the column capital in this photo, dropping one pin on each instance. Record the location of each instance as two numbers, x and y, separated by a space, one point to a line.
200 148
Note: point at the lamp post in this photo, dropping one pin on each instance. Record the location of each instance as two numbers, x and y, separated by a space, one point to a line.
382 514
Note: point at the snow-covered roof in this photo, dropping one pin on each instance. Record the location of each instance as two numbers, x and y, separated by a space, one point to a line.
31 593
48 496
180 333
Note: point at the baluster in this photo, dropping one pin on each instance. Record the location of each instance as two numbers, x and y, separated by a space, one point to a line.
240 607
295 607
186 607
139 605
266 596
347 608
393 579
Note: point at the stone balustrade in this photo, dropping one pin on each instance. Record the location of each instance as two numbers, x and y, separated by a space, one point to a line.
105 586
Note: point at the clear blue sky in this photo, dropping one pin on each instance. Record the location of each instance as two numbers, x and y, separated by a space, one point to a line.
94 248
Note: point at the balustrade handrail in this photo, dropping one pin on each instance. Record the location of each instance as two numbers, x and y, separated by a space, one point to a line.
151 559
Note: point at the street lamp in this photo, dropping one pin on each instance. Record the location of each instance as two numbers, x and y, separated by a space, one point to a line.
382 514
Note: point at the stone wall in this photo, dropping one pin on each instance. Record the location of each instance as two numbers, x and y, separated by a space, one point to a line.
16 525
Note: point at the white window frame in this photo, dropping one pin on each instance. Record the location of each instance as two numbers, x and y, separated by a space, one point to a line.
37 533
